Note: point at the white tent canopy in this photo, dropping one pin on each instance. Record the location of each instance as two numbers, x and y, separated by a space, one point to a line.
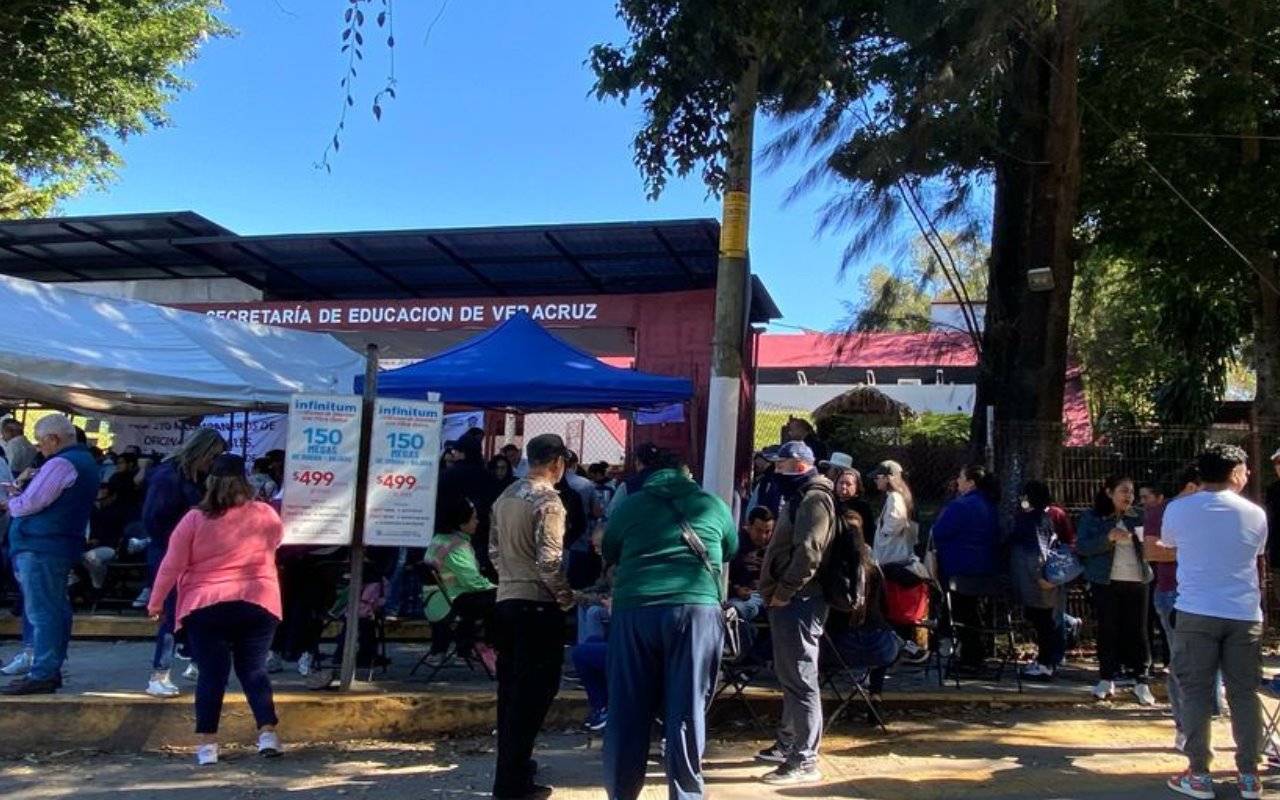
105 355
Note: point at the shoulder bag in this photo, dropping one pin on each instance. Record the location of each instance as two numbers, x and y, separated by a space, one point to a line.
732 648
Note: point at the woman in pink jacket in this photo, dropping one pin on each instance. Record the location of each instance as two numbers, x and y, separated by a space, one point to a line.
222 558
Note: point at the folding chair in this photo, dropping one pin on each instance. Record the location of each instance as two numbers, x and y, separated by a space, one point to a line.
831 669
735 677
1270 690
994 621
450 621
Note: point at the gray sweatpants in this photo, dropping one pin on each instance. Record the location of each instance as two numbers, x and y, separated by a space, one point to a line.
796 629
1202 647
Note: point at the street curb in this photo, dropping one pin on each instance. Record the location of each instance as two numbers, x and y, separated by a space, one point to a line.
139 628
126 722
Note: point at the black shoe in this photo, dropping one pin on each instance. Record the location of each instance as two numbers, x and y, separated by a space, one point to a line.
774 754
32 686
534 792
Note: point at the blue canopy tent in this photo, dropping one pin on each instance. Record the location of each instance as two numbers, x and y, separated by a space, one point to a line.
519 364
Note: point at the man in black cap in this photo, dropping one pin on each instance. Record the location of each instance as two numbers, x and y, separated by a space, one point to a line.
648 459
527 546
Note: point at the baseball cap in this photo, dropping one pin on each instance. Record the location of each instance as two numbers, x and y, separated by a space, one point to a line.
648 453
887 468
797 450
545 447
769 453
227 465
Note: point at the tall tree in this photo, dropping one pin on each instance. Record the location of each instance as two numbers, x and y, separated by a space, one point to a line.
77 77
1184 181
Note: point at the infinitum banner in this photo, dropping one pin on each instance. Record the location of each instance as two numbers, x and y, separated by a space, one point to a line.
404 463
320 469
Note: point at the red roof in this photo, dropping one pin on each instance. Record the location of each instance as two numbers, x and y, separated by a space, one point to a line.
822 350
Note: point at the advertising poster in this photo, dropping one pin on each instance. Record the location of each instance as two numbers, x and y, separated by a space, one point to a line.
404 465
322 448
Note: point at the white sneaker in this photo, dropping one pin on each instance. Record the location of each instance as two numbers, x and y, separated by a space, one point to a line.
143 598
136 546
192 672
161 686
304 664
274 664
269 744
20 665
207 754
1037 672
1144 695
1104 689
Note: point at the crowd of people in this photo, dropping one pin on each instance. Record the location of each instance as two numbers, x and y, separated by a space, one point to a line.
656 573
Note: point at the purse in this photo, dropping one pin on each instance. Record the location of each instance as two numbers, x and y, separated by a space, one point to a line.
1061 565
732 648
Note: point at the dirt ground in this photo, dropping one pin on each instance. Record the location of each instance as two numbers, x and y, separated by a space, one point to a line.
1099 751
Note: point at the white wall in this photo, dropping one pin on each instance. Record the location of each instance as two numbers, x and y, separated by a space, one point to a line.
170 292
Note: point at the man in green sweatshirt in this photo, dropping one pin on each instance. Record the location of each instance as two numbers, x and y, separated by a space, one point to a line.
669 542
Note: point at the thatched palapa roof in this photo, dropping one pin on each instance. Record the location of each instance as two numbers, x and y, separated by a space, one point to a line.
869 404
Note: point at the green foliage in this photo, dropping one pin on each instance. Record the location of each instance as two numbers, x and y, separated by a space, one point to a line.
683 58
1175 94
899 300
76 77
937 428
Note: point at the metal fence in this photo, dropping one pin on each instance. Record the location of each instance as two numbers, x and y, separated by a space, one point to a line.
1157 454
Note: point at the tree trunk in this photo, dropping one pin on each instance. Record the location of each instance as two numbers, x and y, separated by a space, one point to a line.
1024 359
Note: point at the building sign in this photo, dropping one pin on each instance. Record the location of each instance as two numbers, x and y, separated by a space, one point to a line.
320 469
404 463
429 314
261 433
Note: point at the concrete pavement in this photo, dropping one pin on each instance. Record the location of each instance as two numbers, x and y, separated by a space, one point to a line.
1102 752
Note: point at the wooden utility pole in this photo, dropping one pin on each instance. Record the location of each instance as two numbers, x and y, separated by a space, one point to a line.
732 273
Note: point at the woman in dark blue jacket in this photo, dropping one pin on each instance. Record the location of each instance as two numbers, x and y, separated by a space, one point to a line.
173 489
967 538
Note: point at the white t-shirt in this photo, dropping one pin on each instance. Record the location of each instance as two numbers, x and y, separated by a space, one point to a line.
1124 563
1219 536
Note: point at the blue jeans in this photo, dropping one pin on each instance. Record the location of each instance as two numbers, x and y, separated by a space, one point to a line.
1163 602
797 634
593 623
47 609
590 661
748 609
165 637
663 661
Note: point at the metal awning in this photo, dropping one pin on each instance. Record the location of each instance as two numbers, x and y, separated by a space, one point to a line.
572 259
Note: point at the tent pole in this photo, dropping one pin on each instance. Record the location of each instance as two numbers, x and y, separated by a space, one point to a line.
244 443
350 639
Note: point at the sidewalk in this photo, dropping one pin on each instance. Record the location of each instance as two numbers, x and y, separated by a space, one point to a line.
1102 752
103 704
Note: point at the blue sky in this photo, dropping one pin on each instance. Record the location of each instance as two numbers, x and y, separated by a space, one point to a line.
493 125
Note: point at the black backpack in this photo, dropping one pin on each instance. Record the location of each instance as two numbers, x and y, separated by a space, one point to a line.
842 574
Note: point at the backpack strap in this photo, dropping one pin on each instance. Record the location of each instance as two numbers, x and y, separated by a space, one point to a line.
693 542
